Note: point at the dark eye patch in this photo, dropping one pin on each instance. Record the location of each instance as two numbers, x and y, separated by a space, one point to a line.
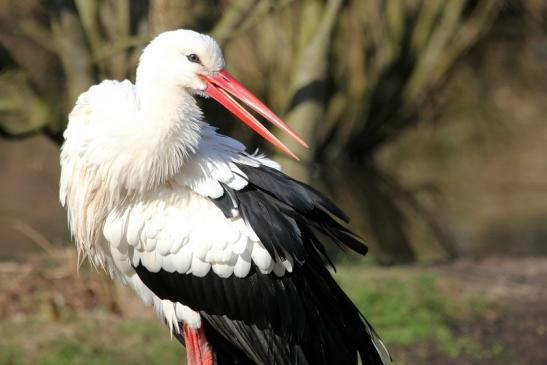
192 57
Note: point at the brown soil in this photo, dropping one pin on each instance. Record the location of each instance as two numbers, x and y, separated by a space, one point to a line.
515 324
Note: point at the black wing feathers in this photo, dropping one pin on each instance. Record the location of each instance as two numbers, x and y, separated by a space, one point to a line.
256 344
302 317
277 207
303 198
276 229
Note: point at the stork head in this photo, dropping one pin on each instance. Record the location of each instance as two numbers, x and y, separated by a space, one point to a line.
195 64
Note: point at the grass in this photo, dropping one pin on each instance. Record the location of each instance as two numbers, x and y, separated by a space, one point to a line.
406 307
90 339
406 310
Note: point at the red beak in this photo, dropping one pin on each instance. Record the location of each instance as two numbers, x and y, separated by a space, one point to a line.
222 86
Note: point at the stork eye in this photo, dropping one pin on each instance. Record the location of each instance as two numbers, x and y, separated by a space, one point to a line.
193 58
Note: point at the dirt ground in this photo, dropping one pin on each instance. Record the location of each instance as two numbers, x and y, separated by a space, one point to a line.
512 327
515 324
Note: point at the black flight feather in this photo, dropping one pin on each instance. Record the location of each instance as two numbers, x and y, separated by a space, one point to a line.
302 317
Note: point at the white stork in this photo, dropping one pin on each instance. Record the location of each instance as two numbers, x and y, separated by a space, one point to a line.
222 244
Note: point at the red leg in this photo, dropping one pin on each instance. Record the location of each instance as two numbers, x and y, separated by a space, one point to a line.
198 349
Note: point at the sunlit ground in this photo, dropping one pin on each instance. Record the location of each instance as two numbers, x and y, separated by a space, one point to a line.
52 316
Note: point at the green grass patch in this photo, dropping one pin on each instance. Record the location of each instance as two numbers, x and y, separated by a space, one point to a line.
407 308
93 339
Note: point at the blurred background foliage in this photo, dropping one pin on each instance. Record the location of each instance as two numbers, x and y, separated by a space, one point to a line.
427 124
350 76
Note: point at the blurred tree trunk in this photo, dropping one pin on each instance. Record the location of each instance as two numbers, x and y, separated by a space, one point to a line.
308 81
72 51
168 14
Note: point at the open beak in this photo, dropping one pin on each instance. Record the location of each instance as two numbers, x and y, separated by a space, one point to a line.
223 87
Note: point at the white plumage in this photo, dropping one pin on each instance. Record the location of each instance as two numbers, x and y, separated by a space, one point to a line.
142 177
140 196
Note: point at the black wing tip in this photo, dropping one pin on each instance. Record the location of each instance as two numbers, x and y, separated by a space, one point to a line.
354 242
333 209
298 201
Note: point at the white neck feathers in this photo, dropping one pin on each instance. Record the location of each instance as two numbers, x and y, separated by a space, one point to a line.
142 141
